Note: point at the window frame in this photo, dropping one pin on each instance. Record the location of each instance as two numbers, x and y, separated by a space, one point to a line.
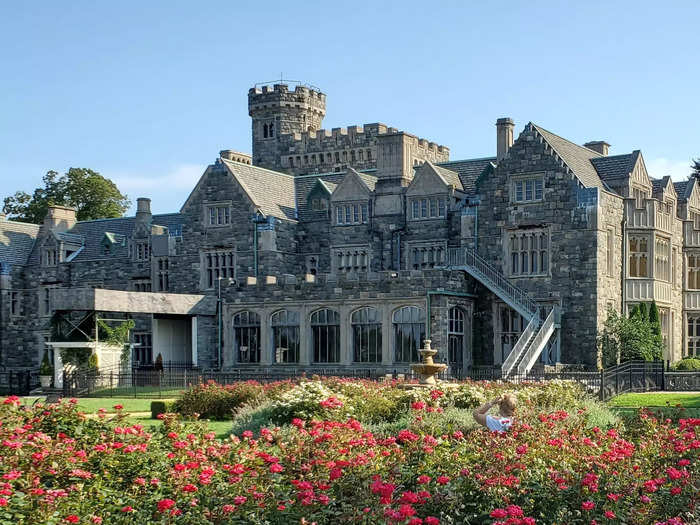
210 273
637 256
456 335
288 330
413 329
519 189
218 210
368 329
428 207
523 255
351 213
325 330
247 325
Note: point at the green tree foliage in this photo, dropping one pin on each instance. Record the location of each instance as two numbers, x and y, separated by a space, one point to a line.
634 338
93 196
655 321
695 166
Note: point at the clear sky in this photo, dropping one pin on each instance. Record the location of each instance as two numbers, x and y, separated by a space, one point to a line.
147 93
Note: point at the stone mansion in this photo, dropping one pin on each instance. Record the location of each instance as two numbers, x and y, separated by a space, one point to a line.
346 248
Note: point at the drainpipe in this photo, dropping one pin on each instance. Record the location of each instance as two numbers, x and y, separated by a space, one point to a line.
476 228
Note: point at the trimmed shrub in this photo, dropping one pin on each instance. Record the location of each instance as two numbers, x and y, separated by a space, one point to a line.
689 363
161 407
213 401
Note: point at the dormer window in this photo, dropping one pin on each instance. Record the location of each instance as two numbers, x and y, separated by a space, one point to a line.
142 251
50 257
319 204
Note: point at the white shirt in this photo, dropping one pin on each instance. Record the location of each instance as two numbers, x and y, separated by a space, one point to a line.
499 424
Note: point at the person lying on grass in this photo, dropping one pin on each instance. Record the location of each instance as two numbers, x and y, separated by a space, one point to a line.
506 407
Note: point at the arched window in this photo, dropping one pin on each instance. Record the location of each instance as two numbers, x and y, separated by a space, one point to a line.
409 332
369 154
271 130
325 336
246 337
455 337
285 336
367 335
264 131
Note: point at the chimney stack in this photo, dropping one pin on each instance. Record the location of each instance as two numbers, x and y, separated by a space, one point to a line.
59 218
504 136
599 146
143 210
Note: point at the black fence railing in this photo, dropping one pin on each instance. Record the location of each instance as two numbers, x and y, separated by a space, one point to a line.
633 376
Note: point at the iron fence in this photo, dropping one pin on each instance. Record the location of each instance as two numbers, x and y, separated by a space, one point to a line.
18 382
633 376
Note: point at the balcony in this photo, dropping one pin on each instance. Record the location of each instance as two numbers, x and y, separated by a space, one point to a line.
648 290
651 216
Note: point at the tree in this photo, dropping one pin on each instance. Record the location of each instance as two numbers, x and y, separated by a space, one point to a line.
695 166
655 321
634 338
93 196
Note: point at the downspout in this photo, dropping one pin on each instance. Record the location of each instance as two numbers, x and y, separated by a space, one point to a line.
476 228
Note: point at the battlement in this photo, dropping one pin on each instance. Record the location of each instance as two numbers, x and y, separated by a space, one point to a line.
279 96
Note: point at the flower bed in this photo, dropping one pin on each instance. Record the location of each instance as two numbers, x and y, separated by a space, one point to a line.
58 466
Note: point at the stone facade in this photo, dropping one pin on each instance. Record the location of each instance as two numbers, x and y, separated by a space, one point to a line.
329 250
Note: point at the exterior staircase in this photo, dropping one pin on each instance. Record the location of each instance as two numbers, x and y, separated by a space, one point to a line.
540 327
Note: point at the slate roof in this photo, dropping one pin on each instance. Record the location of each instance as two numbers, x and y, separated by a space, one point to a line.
577 158
449 176
16 241
615 166
683 189
69 238
468 171
368 179
272 192
93 232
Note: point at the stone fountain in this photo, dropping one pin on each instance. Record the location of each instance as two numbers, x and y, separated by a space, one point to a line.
426 370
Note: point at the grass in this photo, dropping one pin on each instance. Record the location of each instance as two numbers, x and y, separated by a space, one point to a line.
93 404
147 392
221 428
656 399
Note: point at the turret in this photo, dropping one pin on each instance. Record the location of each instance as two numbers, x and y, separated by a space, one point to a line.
275 111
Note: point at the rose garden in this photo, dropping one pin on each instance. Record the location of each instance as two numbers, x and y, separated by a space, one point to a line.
325 450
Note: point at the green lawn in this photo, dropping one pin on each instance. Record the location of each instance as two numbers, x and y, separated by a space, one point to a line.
221 428
146 392
93 404
656 399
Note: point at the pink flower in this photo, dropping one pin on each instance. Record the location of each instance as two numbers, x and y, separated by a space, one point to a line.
587 505
128 508
165 504
240 500
72 519
431 520
189 488
423 479
443 480
610 514
499 513
514 511
118 407
276 468
645 499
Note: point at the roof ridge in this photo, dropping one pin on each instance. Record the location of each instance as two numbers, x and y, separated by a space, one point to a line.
464 160
258 168
596 154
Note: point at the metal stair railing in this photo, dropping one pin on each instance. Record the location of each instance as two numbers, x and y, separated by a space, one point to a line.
538 343
520 345
493 279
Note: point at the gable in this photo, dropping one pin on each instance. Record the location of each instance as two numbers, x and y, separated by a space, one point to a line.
639 175
427 181
694 198
352 187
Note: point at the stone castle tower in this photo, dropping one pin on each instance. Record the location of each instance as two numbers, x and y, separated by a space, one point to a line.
277 111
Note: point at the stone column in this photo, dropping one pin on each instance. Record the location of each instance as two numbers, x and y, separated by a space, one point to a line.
346 350
387 336
266 344
305 339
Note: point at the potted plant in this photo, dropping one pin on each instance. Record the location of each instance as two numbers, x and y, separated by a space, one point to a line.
45 371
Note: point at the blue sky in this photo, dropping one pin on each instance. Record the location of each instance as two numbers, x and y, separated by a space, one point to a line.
147 93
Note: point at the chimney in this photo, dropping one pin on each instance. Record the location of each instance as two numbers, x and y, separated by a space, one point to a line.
143 210
504 136
59 218
598 145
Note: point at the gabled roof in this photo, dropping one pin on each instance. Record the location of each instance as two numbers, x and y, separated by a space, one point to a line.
369 180
468 171
304 185
449 176
684 189
69 238
577 158
615 166
16 241
661 185
271 192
